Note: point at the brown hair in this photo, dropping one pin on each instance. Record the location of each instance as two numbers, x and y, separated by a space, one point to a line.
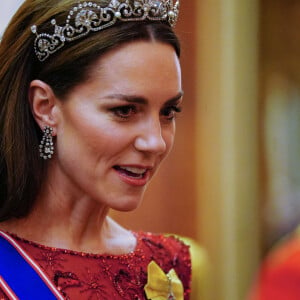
21 169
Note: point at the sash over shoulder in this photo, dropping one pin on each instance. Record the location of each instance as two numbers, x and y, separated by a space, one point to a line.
20 277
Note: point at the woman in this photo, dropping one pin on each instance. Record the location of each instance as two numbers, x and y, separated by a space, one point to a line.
89 94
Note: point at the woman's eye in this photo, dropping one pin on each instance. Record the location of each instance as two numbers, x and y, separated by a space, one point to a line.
124 112
170 112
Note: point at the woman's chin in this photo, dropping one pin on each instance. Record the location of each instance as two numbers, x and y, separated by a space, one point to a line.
128 207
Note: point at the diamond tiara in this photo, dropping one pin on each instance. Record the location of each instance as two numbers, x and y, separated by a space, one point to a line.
91 17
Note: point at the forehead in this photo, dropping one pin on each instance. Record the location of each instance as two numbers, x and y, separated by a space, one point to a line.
139 63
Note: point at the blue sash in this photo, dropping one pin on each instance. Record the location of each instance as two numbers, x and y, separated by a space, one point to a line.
20 275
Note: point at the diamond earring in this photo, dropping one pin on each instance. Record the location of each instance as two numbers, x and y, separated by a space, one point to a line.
46 144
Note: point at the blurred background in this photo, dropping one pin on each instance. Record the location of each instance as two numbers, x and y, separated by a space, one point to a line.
232 182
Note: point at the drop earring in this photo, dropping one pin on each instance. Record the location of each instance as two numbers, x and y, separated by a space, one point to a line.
46 144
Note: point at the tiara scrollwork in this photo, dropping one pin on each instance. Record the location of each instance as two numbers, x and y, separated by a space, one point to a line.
89 17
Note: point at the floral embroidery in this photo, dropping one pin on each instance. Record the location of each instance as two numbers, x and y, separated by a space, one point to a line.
65 280
128 283
52 260
161 286
120 277
93 287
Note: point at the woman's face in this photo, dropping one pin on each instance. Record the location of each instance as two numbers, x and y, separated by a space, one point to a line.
114 130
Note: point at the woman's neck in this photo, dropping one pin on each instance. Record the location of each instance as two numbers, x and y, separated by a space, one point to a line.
80 225
64 217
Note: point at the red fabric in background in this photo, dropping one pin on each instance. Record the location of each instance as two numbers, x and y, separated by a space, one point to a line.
279 277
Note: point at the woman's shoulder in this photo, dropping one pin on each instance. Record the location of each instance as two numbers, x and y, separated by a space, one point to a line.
169 251
163 242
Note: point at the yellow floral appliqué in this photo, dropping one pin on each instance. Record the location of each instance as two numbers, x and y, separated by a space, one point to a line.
161 286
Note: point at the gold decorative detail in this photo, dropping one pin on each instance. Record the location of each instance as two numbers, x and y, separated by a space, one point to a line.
161 286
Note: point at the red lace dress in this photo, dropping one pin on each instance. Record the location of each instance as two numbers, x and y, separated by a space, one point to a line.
110 277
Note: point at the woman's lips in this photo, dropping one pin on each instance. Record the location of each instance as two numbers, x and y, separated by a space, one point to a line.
133 175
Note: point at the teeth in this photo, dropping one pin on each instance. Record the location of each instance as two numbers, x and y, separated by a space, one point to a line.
138 171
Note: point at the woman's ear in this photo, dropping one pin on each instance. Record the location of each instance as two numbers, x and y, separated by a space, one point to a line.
43 103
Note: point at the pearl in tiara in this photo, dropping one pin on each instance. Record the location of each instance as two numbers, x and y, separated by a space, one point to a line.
89 17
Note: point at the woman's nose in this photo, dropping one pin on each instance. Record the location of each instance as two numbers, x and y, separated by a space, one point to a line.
150 138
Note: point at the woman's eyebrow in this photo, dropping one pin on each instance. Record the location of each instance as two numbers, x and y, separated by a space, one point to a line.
175 99
140 99
128 98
